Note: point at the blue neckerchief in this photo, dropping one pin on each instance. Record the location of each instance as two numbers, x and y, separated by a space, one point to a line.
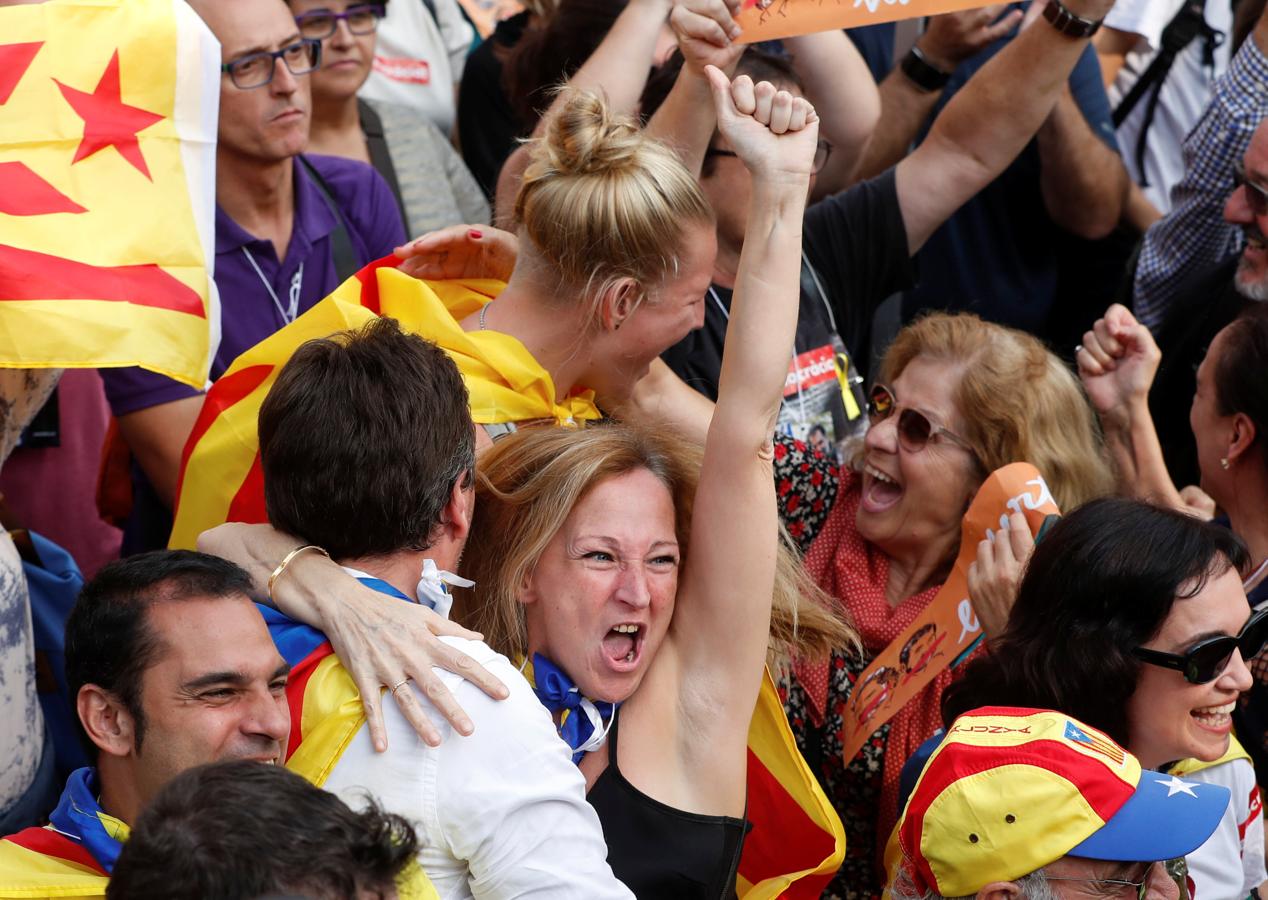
557 693
76 817
378 584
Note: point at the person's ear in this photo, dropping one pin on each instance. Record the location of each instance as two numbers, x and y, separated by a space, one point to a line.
455 518
1242 437
999 890
109 725
619 301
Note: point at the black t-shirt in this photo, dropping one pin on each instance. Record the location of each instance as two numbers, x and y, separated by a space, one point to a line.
854 255
487 125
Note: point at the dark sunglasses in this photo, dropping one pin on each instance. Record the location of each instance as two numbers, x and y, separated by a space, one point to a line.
823 150
1206 660
915 430
321 23
1256 197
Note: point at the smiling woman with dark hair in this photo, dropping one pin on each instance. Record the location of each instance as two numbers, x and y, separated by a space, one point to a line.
1132 618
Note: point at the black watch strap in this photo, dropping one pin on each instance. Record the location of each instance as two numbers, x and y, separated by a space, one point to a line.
923 74
1067 22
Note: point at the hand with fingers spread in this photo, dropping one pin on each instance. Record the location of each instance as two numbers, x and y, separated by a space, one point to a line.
460 251
772 132
995 575
953 37
385 645
1117 362
706 33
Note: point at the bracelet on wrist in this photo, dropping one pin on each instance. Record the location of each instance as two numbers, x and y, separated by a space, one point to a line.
1067 22
288 559
922 73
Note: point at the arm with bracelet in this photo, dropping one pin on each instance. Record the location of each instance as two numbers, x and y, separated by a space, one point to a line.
302 581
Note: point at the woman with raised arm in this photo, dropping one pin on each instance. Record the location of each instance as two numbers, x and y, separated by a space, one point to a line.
641 596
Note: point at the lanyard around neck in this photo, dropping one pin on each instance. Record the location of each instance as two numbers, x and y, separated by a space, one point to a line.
297 283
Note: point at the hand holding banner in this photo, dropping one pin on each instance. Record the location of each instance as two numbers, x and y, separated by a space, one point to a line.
948 629
767 20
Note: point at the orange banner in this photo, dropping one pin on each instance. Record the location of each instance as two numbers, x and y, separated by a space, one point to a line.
766 20
948 629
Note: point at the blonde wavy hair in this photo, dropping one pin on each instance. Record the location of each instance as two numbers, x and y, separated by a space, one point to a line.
526 487
601 202
1017 400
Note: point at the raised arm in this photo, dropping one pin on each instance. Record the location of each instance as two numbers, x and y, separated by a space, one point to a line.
906 105
378 643
840 86
618 68
1117 362
721 625
988 122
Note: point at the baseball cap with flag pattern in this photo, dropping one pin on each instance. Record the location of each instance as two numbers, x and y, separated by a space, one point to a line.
1010 790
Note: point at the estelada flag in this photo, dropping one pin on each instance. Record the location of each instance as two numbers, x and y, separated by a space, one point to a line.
108 114
767 20
797 841
221 478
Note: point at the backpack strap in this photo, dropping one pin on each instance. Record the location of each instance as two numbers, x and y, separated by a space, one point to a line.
380 157
346 260
1188 23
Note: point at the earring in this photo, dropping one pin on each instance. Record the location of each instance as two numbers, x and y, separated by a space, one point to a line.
1224 463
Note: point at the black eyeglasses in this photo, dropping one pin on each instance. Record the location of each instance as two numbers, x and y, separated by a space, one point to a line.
1207 659
255 70
321 23
915 430
1256 197
823 150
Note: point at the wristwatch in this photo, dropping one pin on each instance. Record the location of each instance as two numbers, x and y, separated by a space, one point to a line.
923 74
1067 22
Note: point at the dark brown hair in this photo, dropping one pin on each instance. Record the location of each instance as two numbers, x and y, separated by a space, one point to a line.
362 438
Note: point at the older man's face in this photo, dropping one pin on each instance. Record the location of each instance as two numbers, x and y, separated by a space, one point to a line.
1073 878
1246 209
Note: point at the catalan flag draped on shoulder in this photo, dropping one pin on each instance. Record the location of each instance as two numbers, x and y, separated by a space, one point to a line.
221 479
108 115
73 855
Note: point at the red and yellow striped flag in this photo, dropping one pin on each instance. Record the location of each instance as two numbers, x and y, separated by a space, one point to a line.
797 842
221 478
108 115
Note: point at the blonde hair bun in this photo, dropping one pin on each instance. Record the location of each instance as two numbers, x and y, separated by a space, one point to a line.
586 138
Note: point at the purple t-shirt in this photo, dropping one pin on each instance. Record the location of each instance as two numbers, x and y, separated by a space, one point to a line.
248 314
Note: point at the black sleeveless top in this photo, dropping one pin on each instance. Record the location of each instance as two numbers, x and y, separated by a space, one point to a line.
661 852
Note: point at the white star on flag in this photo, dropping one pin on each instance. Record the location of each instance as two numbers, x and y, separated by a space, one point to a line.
1175 786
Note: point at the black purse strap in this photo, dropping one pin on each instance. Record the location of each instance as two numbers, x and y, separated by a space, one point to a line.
380 158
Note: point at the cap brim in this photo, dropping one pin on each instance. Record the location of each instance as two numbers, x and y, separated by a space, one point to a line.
1167 817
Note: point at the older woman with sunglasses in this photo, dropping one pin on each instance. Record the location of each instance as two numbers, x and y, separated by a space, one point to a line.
956 399
1132 618
432 184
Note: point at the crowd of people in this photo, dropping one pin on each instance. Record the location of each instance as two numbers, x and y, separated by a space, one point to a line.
689 366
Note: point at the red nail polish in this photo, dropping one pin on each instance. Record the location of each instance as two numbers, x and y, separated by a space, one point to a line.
475 234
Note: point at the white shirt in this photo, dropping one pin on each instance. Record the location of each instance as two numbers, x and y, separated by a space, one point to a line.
1231 862
1185 93
418 60
501 813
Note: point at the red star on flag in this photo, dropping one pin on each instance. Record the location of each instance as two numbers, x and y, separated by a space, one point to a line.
108 121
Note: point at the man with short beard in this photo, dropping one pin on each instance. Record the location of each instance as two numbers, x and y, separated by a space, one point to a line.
1205 302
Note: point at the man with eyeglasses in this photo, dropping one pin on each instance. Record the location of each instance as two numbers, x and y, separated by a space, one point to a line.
289 229
1024 803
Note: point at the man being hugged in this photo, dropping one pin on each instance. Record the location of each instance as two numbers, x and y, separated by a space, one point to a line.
368 452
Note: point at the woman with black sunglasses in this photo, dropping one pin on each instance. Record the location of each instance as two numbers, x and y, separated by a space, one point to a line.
1132 618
